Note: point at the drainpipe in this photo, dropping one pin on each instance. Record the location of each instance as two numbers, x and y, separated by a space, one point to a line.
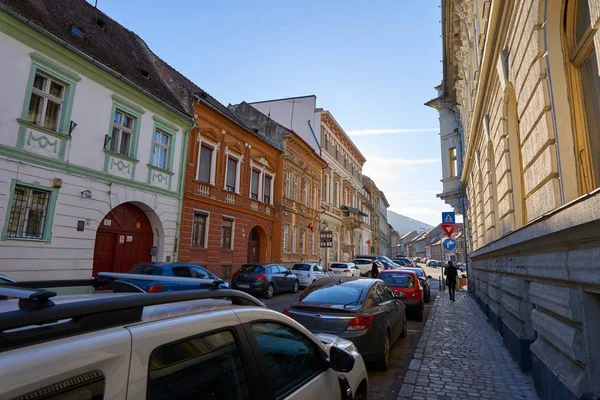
180 187
551 95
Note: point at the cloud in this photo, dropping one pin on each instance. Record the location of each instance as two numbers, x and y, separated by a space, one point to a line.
362 132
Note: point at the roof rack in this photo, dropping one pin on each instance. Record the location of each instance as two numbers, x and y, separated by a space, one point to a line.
27 326
141 277
100 282
29 298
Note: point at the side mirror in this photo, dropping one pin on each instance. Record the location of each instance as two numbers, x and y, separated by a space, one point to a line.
429 276
340 360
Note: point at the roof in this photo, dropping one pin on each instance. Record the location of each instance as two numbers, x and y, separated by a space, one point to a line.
113 46
281 99
408 233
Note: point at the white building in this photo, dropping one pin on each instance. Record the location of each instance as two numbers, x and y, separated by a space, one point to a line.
91 145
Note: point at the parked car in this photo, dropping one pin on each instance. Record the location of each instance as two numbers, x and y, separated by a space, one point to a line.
365 265
344 269
406 282
5 279
434 263
423 280
307 273
407 262
364 311
210 343
163 269
265 279
387 263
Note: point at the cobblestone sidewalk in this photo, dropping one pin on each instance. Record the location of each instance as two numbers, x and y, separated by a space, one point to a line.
461 356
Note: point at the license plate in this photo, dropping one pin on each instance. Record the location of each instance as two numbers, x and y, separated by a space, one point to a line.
337 272
243 286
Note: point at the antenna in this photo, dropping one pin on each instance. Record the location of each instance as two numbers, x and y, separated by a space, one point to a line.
96 4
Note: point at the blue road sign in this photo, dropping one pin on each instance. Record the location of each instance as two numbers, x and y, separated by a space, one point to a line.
449 244
448 218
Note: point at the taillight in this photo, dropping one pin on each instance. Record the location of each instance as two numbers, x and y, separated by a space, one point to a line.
155 288
346 270
308 276
261 277
287 313
234 275
360 323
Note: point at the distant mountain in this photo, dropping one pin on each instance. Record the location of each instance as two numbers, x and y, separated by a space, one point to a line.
404 224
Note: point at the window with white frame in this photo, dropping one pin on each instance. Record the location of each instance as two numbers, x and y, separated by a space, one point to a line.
294 238
254 183
284 238
206 163
227 233
232 174
28 213
268 186
199 229
288 185
122 133
324 189
46 102
312 242
302 239
295 189
160 151
304 192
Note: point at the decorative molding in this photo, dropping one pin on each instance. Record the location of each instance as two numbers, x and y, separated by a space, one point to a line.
42 141
166 124
134 107
46 62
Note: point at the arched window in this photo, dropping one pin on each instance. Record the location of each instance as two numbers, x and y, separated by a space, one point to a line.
582 59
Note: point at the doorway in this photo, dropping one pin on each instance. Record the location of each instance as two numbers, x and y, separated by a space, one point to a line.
254 246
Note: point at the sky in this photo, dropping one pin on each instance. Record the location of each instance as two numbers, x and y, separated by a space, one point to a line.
372 64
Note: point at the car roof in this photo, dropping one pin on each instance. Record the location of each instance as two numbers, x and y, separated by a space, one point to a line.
347 281
398 271
259 264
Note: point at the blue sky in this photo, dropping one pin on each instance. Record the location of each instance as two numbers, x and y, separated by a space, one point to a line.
371 63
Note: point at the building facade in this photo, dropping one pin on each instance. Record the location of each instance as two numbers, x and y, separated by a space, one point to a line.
522 81
90 155
384 248
372 193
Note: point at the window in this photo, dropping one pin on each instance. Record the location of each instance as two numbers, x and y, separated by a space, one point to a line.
210 365
302 239
88 386
182 272
160 153
267 189
324 189
294 238
225 272
292 358
47 97
336 194
304 192
122 133
28 213
452 161
312 242
199 229
231 176
201 273
582 56
288 191
255 180
315 196
205 161
284 238
226 233
295 187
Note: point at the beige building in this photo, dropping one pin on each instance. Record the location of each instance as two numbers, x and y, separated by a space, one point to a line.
521 80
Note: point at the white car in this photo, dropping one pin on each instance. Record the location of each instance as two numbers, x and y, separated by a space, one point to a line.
206 343
307 273
344 269
366 266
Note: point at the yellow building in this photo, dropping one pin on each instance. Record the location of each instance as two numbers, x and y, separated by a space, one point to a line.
521 82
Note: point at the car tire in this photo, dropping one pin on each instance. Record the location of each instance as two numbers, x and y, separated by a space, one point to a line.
420 313
269 291
427 297
384 361
404 332
368 274
295 287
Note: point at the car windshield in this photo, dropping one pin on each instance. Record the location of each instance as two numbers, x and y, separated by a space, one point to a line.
251 269
419 272
396 280
146 270
301 267
334 294
338 266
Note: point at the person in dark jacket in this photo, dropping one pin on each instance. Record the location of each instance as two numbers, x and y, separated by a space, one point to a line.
451 274
374 270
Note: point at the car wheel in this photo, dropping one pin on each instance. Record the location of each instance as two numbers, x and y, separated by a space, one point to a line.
420 313
404 332
269 291
428 297
368 274
295 287
384 362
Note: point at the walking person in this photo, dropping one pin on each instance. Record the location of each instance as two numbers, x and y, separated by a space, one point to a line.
374 270
451 273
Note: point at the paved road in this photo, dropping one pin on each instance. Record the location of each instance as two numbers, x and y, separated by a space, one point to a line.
382 385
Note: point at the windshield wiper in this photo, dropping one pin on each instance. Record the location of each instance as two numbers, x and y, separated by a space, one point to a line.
355 301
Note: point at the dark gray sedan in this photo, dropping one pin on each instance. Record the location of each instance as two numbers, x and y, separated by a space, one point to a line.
364 311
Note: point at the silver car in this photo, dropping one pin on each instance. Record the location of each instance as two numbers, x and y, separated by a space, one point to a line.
364 311
307 273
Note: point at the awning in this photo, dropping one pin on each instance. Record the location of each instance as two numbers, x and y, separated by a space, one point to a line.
353 210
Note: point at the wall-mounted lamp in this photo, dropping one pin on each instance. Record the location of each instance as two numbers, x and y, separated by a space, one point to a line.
86 194
72 127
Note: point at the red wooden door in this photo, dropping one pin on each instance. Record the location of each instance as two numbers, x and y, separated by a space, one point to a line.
253 246
131 235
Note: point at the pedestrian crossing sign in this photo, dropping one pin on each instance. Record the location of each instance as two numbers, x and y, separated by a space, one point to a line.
448 218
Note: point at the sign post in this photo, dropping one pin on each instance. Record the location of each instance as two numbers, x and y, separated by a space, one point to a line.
326 242
449 244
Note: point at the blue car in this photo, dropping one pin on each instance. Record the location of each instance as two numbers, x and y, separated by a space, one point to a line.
170 270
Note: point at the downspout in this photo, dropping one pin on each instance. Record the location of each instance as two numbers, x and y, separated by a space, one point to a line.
180 187
551 95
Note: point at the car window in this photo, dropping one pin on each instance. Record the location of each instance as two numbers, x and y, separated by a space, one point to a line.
379 295
88 386
316 268
397 280
282 270
291 358
208 366
338 265
145 270
301 267
333 294
251 269
182 272
201 273
389 294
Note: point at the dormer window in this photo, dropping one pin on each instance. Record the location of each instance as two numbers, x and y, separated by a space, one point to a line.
145 73
100 24
77 31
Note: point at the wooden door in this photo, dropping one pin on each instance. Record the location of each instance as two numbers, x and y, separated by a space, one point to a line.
104 251
253 246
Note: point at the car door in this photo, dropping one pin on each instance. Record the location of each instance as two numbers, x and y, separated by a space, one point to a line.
386 309
293 366
288 276
202 355
396 314
279 277
318 271
355 270
181 271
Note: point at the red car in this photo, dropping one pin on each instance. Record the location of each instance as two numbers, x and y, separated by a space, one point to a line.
407 282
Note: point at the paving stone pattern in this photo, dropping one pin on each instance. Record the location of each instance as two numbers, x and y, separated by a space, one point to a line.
461 356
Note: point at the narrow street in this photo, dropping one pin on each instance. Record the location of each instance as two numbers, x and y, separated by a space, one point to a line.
383 385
